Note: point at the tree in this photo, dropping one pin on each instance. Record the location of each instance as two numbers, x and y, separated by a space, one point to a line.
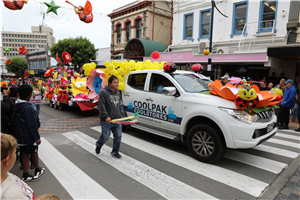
18 65
81 50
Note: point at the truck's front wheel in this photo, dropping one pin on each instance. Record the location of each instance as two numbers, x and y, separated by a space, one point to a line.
205 144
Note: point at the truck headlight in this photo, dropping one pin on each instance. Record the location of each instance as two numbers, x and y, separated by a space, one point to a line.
240 115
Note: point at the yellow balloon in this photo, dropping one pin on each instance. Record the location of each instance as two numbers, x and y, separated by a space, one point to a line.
106 72
106 63
148 62
110 67
145 66
156 67
121 71
93 65
127 69
138 67
155 63
132 66
121 79
86 66
115 63
121 86
132 62
161 67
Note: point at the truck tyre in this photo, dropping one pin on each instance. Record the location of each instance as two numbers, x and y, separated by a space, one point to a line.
61 107
50 104
205 143
55 106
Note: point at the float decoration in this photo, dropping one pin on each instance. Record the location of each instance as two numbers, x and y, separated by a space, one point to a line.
247 97
155 55
66 57
52 7
4 84
85 13
197 68
26 73
49 72
170 67
96 82
8 62
14 5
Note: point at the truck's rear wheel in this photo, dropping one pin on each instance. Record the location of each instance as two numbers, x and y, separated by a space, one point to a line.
205 144
55 105
61 107
50 103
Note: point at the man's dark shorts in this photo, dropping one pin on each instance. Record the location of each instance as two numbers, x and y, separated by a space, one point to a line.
29 149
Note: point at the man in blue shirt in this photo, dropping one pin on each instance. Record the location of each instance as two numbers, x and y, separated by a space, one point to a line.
286 104
164 83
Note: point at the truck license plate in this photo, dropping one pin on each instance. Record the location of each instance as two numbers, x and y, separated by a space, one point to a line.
270 127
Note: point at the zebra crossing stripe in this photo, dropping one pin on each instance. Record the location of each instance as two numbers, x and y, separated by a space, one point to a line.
77 183
159 182
285 143
241 182
277 151
256 161
297 138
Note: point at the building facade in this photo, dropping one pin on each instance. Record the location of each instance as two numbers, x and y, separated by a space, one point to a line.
39 60
40 37
240 42
136 20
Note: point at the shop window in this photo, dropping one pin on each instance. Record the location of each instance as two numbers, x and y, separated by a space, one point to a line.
128 31
188 26
139 28
204 24
267 16
119 34
137 81
239 18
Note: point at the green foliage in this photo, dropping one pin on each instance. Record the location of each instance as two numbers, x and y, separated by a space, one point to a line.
18 65
81 50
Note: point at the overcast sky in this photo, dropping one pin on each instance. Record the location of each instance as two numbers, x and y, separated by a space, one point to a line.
66 24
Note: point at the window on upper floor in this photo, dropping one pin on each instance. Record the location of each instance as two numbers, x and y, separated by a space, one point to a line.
204 24
267 16
119 34
188 26
128 31
239 18
139 28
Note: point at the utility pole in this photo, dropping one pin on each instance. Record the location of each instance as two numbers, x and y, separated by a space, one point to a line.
213 6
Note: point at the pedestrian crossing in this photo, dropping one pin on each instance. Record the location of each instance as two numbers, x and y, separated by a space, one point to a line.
206 181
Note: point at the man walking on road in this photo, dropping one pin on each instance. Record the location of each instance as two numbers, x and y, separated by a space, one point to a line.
36 98
110 107
286 104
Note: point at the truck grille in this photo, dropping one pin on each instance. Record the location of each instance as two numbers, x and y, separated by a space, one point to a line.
265 116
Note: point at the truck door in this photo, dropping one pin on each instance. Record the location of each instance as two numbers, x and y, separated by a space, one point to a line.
133 95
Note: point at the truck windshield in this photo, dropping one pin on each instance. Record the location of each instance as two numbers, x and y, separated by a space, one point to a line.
191 82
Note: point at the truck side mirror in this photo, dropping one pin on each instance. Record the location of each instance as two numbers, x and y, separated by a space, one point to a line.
169 91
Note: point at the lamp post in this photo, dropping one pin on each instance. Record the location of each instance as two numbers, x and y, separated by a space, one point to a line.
213 5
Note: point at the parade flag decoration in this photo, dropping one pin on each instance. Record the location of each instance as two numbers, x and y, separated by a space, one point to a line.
52 7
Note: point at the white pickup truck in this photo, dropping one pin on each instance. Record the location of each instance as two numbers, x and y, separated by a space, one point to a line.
186 111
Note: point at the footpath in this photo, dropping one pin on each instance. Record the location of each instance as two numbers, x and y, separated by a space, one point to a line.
288 181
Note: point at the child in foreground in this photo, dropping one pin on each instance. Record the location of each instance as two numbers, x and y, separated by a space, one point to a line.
11 187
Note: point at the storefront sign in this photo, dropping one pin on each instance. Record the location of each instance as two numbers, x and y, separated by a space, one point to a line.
189 57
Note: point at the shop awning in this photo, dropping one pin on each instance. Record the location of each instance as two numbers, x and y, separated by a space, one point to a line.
288 52
138 48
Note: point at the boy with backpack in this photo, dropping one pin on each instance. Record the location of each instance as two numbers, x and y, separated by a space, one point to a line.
26 132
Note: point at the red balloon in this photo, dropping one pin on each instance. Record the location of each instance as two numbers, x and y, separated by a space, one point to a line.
24 52
155 55
197 68
8 62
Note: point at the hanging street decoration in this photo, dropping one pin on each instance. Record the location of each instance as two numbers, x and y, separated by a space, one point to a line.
14 5
52 7
85 13
22 50
7 50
